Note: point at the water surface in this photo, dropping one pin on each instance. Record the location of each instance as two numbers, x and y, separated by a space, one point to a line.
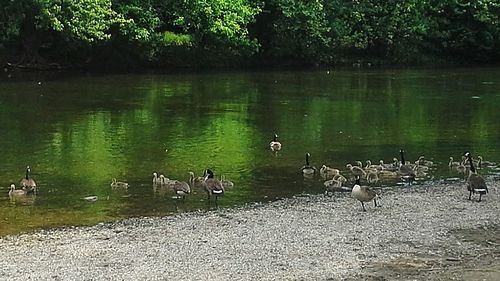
78 131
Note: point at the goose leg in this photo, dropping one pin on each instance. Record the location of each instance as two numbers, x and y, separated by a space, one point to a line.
363 205
479 197
375 201
470 194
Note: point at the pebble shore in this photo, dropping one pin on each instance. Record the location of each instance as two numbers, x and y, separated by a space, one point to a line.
426 232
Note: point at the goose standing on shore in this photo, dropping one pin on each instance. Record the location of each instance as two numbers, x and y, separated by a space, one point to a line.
363 194
27 183
308 170
405 171
212 186
275 144
475 183
182 188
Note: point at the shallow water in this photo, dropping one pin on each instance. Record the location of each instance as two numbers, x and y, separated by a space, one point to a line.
78 131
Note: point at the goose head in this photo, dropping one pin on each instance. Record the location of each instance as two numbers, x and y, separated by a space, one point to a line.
209 174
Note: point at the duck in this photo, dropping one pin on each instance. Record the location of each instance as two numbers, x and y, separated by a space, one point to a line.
475 182
28 183
275 144
405 171
182 188
327 172
363 194
118 184
308 170
213 186
16 192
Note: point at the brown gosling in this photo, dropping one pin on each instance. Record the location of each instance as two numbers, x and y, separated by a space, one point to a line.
16 192
328 173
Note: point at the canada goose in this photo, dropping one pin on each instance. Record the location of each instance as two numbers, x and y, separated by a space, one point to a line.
213 186
28 183
363 194
475 183
181 188
118 184
308 170
275 144
16 192
327 172
356 171
405 171
156 179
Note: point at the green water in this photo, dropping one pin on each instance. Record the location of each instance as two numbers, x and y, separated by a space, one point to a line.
78 131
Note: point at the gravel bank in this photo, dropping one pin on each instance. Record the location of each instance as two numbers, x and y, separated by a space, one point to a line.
429 232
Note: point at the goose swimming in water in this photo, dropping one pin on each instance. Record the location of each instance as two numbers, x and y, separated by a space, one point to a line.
363 194
275 144
308 170
28 183
475 183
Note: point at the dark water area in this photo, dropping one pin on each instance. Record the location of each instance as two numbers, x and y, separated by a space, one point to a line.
77 132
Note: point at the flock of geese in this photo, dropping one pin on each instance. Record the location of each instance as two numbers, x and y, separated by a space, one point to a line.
398 169
333 179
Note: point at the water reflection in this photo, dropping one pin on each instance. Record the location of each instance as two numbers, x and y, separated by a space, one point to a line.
83 131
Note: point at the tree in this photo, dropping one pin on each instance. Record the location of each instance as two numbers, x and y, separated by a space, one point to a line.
38 23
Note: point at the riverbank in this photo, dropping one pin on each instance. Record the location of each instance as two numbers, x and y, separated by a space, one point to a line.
425 232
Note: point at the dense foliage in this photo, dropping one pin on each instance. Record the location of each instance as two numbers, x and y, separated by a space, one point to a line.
229 32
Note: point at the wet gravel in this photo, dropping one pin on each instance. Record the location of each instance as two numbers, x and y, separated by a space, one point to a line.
426 232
